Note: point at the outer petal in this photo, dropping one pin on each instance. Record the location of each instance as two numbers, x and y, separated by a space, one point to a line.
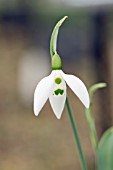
42 93
78 87
58 101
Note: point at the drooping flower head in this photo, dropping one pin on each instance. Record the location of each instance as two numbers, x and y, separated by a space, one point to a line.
54 85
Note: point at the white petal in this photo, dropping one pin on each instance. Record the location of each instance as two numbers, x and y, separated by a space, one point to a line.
42 93
58 101
78 87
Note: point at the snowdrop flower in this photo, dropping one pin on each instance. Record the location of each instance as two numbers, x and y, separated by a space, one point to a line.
53 87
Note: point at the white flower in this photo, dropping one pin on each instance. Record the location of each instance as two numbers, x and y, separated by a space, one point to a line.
54 88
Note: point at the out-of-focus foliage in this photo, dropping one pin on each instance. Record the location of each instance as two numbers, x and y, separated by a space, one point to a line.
105 151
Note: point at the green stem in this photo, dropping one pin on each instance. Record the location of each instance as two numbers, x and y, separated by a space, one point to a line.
92 127
53 41
76 137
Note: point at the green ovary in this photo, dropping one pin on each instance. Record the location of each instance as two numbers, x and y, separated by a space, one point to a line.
58 80
59 91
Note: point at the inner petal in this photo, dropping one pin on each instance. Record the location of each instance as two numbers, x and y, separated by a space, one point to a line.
58 94
59 86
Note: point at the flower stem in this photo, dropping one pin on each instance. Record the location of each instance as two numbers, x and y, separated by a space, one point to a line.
53 41
89 116
91 123
76 137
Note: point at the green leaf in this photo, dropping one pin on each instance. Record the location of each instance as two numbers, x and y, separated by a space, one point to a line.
105 151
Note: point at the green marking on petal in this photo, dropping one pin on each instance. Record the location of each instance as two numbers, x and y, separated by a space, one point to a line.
59 91
58 80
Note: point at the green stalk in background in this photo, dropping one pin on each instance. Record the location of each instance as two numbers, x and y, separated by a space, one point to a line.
89 117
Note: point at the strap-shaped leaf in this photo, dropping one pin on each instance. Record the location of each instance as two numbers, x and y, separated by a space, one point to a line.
105 151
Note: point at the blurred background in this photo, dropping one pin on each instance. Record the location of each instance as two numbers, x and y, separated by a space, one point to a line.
85 44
